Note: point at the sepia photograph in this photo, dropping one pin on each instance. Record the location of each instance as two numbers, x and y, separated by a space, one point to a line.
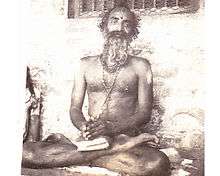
114 88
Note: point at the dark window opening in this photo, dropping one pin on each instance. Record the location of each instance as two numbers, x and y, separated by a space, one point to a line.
77 8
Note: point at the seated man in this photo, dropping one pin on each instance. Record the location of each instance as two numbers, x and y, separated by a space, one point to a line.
56 150
119 88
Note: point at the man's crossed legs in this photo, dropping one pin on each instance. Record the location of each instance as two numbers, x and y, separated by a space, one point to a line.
127 155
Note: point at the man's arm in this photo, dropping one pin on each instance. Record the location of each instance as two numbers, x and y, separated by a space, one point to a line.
145 101
77 97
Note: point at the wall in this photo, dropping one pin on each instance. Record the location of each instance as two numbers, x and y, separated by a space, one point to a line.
172 43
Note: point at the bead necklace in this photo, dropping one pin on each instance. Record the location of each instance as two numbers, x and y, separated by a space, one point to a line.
112 68
104 82
108 89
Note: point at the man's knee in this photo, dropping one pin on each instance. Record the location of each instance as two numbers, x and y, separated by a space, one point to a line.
162 168
57 138
151 162
137 162
54 137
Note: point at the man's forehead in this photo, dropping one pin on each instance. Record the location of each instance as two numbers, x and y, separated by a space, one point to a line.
120 12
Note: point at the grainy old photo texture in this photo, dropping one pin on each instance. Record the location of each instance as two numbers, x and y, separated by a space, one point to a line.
114 88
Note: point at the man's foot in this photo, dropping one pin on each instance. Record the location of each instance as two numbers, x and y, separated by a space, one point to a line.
58 138
124 142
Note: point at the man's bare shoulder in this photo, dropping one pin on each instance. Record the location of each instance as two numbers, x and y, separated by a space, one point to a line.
140 63
142 68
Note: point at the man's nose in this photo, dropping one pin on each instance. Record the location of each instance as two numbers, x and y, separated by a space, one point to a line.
120 26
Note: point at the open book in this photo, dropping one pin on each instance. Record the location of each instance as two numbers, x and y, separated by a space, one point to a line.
100 143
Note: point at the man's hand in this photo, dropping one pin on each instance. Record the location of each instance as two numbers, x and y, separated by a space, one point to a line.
152 140
94 129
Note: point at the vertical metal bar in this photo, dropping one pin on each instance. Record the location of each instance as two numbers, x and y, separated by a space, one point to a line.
165 5
132 4
176 5
143 4
70 9
81 6
103 5
77 8
154 5
93 5
113 3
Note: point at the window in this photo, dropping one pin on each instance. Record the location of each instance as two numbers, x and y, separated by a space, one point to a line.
78 8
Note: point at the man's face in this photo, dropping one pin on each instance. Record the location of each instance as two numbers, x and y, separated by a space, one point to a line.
118 36
120 20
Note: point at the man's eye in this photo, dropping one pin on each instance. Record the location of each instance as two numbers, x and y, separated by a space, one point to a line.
114 20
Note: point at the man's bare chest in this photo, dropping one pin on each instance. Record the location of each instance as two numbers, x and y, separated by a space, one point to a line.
124 81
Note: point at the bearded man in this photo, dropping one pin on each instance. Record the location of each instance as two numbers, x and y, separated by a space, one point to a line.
119 88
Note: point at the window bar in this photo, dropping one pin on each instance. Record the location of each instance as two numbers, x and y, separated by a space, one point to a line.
165 6
103 5
93 5
81 4
77 8
70 9
106 5
132 4
177 5
154 6
143 4
113 4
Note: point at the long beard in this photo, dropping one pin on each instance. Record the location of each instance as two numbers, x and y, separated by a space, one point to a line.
115 49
